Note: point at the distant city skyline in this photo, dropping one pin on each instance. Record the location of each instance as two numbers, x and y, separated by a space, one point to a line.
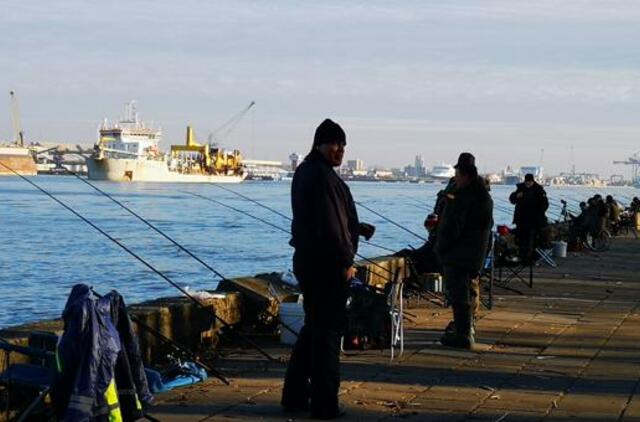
500 78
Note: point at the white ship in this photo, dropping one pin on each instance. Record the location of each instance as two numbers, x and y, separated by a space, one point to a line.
128 151
443 171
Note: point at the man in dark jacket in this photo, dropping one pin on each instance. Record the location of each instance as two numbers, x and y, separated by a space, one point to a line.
325 230
461 244
529 216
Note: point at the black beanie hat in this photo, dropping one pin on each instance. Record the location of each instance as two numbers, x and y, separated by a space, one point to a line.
329 132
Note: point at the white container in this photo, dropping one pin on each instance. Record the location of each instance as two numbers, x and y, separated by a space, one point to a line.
291 314
560 249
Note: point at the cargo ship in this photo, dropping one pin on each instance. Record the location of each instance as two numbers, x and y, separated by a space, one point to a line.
17 158
128 151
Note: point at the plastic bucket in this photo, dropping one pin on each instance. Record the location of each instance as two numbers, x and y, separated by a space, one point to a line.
292 315
560 249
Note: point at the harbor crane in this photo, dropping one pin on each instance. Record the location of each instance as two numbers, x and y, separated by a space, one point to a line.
634 162
219 134
18 133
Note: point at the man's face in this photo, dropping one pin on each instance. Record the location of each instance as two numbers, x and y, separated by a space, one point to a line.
461 179
528 183
333 153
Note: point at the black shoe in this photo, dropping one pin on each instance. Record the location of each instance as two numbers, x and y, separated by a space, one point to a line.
338 413
451 327
458 341
296 407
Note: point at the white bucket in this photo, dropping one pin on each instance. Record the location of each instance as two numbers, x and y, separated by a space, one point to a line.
560 249
292 315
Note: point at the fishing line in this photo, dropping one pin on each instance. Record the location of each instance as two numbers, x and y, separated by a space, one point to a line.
282 215
145 263
173 343
170 239
262 220
390 221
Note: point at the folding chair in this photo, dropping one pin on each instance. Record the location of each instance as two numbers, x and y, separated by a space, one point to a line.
396 315
35 377
487 273
545 257
510 271
510 267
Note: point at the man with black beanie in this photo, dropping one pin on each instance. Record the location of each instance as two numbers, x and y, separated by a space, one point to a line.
531 204
325 231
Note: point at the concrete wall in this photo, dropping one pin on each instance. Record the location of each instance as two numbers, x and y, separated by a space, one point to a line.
250 302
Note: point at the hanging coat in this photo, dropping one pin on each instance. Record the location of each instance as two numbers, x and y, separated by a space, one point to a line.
87 353
133 389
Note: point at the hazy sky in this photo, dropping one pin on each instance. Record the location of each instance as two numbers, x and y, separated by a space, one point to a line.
503 79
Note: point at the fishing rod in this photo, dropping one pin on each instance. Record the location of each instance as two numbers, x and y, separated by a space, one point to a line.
196 358
144 262
280 214
273 210
170 239
390 221
260 204
206 198
416 202
262 220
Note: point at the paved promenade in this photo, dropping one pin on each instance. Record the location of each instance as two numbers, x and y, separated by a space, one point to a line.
568 349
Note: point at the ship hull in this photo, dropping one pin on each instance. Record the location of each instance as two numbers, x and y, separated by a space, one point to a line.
131 170
18 159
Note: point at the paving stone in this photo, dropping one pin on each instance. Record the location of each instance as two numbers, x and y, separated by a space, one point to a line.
568 347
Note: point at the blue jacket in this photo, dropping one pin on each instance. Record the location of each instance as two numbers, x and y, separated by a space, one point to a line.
87 354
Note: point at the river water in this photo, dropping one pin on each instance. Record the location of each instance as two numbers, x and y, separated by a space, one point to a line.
45 249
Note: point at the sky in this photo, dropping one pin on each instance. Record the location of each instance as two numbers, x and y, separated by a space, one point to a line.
515 82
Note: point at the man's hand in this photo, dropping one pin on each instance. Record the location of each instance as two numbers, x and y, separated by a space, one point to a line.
519 195
367 230
349 273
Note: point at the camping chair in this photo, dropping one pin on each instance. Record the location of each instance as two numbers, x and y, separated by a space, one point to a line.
511 266
487 274
390 301
36 377
396 314
543 247
545 257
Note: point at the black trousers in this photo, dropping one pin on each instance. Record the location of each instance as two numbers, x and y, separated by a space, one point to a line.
525 239
313 374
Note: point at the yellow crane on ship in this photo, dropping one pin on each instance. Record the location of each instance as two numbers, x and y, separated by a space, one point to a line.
212 158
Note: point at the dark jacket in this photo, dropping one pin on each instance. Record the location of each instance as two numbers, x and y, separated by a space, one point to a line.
465 226
131 380
531 207
98 345
325 224
87 354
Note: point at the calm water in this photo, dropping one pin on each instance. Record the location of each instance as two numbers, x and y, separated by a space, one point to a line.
44 249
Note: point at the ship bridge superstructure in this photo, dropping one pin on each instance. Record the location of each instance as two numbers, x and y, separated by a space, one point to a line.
129 137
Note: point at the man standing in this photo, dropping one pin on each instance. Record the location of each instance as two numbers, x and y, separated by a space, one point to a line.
461 244
529 216
325 232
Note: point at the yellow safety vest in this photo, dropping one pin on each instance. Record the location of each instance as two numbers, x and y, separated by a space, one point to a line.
85 404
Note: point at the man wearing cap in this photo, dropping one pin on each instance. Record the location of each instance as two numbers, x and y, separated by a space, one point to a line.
529 216
461 244
325 231
464 159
